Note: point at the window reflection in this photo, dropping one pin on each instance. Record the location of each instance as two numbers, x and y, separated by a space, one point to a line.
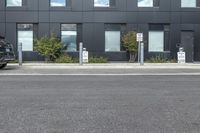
156 41
25 36
112 41
101 3
145 3
11 3
58 3
188 3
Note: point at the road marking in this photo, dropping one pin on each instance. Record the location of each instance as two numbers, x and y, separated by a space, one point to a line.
117 74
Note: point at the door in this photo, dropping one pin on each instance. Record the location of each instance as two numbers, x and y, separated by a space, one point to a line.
187 42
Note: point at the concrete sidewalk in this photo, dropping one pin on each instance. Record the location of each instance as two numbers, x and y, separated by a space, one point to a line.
108 66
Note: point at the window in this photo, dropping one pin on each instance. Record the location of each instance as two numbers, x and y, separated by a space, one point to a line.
69 37
25 36
112 41
148 3
13 3
102 3
112 37
58 3
188 3
159 38
156 41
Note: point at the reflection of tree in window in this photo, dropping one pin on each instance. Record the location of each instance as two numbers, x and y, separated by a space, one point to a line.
69 37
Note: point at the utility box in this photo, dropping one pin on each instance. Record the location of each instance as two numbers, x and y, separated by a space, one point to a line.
181 56
85 56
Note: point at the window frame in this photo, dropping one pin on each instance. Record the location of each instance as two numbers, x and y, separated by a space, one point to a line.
121 27
33 35
77 35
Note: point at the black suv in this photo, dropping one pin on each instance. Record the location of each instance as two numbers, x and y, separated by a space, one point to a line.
6 52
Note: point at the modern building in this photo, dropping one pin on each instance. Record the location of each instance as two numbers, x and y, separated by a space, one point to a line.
100 24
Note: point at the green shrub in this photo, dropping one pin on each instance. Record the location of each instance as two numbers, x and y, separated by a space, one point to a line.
98 60
49 47
131 45
159 59
65 58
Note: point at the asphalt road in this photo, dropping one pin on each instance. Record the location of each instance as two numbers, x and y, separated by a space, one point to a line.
99 104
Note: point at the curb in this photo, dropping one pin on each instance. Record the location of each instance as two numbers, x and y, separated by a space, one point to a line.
108 66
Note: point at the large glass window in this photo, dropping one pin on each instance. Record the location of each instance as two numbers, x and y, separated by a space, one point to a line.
25 36
69 36
145 3
188 3
101 3
148 3
156 41
112 41
13 3
58 3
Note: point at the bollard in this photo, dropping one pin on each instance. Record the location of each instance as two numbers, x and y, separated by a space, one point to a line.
20 54
80 53
139 51
142 54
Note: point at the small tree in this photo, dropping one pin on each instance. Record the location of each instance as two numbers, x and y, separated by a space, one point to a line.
130 43
49 47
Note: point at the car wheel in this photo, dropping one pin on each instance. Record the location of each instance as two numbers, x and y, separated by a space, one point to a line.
3 66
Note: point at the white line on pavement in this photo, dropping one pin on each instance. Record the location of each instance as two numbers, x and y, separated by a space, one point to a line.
119 74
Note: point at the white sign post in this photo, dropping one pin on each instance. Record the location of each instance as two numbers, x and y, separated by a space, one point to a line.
181 57
85 56
139 39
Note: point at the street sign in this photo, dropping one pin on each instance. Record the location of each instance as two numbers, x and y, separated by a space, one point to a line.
85 56
139 37
181 57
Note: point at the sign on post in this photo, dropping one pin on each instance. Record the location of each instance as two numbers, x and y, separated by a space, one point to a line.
139 37
181 57
85 56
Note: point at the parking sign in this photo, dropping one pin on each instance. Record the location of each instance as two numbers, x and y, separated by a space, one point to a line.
139 37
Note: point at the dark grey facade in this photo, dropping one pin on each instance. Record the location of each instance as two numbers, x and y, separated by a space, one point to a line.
169 17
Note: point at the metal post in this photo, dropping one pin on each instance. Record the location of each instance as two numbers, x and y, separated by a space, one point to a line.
139 47
20 53
142 54
80 53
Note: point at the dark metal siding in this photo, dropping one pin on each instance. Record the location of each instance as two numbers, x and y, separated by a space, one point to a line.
93 20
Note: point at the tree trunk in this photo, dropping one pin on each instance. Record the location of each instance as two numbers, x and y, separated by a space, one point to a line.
132 57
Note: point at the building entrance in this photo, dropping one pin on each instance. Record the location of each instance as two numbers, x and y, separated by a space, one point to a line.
187 42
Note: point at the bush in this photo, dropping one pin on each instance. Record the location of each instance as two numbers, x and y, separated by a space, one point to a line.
131 45
49 47
98 60
65 58
159 59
